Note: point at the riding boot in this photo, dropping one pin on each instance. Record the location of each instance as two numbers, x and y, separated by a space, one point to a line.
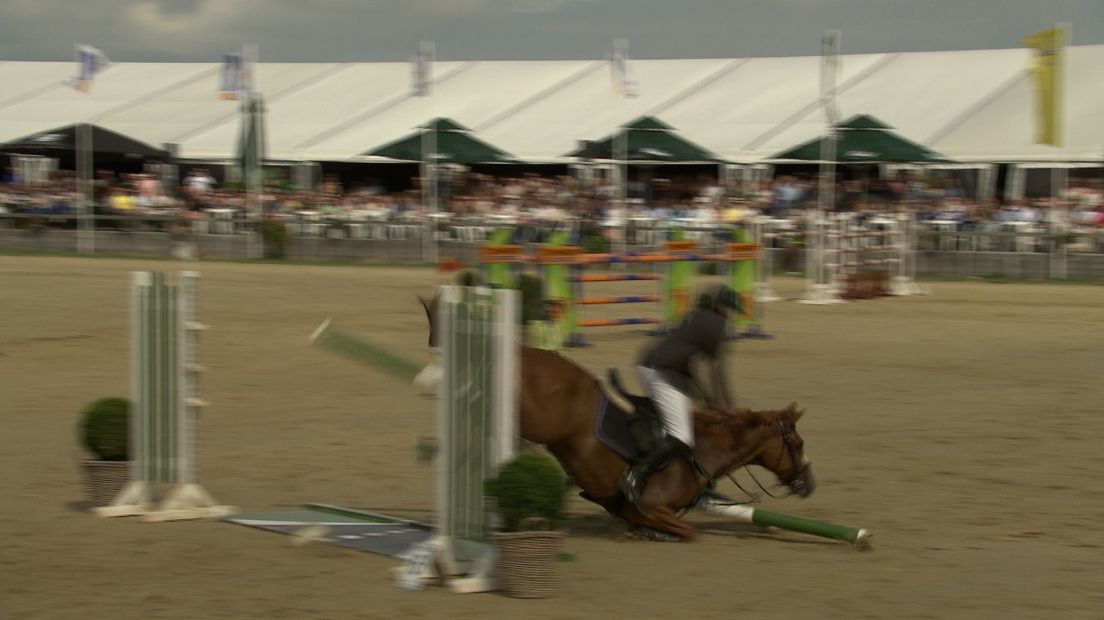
631 483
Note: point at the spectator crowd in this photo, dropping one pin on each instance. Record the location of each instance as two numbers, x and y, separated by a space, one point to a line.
468 196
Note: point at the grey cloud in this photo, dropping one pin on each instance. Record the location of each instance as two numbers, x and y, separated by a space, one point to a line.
378 30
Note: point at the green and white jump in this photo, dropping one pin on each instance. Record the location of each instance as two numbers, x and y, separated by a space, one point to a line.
477 425
165 404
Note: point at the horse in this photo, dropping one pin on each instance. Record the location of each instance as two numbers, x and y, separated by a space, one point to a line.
559 405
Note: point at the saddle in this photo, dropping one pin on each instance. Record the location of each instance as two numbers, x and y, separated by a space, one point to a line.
633 436
630 435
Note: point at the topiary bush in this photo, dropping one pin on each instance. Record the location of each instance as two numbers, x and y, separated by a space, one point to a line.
596 244
105 428
469 277
274 235
531 485
708 269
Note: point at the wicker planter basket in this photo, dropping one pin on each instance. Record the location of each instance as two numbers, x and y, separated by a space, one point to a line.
103 480
526 566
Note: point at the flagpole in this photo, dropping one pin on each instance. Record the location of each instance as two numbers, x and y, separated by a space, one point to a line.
86 240
427 54
620 146
86 236
255 175
623 191
1057 205
821 290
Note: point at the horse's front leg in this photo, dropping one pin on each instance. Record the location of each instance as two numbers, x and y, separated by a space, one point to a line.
660 519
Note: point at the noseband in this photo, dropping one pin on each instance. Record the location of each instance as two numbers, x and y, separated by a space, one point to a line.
798 480
795 483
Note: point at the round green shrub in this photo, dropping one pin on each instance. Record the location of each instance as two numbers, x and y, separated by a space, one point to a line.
708 269
104 428
596 244
469 277
531 485
274 235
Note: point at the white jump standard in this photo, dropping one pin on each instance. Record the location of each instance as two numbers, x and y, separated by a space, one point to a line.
165 404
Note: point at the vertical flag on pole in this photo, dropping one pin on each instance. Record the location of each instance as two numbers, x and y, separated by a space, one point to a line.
237 76
1046 68
90 61
624 81
422 70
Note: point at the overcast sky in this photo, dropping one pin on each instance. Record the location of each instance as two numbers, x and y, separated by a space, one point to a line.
388 30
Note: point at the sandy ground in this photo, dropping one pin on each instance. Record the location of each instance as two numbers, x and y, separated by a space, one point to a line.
963 429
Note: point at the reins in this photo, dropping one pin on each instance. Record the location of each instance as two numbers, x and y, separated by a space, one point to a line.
791 450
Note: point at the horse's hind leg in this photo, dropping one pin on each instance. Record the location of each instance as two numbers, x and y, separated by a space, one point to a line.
661 519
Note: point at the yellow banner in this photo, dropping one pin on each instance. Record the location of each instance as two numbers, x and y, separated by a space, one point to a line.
1049 46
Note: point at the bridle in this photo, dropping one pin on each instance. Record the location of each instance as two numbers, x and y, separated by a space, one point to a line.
795 483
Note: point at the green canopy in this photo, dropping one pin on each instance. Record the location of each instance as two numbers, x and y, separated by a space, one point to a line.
251 142
650 140
865 139
453 143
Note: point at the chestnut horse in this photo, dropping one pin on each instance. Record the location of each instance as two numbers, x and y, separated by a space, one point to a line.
559 405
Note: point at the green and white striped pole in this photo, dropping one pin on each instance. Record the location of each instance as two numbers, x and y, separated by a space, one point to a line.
744 513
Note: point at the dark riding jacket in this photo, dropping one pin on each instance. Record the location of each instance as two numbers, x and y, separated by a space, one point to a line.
702 333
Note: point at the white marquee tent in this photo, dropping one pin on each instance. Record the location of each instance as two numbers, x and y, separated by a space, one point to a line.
973 106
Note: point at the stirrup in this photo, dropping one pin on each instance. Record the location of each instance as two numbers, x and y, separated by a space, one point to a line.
630 486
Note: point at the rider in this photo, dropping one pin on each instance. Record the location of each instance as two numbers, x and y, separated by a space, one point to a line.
665 371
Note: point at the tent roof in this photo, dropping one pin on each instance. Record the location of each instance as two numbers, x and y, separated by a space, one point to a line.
443 124
969 105
648 140
452 142
64 139
864 138
863 121
649 123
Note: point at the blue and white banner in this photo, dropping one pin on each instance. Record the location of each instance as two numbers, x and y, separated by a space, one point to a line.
624 81
421 84
237 76
90 61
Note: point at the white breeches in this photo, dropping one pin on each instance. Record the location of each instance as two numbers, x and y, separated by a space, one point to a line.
675 408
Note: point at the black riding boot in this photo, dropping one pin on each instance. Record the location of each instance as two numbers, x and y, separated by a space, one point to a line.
631 483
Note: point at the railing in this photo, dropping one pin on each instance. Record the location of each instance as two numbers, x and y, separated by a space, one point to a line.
1013 249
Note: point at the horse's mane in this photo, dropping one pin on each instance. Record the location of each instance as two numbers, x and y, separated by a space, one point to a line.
706 418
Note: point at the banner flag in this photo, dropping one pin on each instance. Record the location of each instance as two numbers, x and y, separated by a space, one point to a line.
423 70
90 61
624 82
236 80
1046 68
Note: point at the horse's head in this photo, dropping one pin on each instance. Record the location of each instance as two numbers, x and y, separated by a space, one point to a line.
430 306
783 453
430 376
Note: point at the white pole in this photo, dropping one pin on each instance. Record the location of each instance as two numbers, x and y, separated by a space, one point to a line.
623 193
1060 179
254 203
429 167
819 288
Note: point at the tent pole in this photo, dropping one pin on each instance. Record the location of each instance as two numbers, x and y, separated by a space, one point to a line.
86 226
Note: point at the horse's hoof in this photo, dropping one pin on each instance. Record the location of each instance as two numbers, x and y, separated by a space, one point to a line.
648 533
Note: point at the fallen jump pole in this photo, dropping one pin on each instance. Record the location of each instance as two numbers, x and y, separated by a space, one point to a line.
744 513
329 336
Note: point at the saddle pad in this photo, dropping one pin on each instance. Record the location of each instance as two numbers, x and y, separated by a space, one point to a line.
612 429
